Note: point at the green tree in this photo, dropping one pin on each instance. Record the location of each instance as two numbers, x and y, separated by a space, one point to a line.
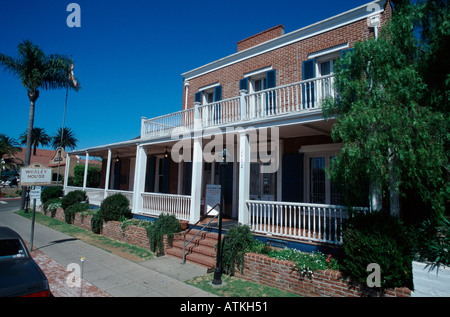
394 142
67 140
93 176
38 138
8 148
36 70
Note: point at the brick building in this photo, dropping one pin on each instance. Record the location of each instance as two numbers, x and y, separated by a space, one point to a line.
263 105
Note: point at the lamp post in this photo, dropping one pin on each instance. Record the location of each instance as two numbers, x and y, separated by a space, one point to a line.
218 271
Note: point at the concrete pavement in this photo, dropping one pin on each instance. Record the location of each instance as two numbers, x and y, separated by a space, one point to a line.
104 273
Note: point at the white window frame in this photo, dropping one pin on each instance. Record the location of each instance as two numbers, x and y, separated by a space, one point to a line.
311 151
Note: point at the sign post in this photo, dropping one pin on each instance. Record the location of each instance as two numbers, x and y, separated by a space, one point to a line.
35 175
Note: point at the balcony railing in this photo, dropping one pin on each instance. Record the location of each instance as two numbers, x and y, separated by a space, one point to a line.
294 98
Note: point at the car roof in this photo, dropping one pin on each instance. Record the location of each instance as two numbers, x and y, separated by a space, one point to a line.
8 233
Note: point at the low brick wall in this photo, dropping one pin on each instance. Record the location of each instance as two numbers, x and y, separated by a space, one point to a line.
281 274
111 229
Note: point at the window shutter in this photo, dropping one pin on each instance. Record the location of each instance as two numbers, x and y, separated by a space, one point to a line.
271 79
344 52
150 179
309 69
198 96
243 84
217 108
308 92
164 187
218 93
187 177
292 177
271 82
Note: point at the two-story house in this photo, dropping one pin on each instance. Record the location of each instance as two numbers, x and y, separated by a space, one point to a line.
263 105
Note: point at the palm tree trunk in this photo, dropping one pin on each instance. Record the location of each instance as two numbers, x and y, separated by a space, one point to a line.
33 96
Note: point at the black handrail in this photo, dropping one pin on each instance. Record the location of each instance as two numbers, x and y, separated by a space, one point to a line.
187 231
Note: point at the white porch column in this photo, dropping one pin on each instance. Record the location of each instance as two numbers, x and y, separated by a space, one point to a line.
108 173
244 177
243 104
86 164
139 177
196 187
66 171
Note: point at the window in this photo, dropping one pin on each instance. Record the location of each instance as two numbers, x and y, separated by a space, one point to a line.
262 185
210 95
318 189
264 103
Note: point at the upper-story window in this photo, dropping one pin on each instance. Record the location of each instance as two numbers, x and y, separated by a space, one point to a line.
320 64
210 95
263 103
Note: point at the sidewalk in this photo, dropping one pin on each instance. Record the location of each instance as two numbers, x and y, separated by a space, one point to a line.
104 274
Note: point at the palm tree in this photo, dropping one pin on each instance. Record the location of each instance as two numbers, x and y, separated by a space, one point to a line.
38 138
37 71
8 148
67 140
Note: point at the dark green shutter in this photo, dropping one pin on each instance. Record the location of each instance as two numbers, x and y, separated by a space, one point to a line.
187 178
198 96
117 174
243 84
292 177
309 72
271 82
217 111
166 175
150 179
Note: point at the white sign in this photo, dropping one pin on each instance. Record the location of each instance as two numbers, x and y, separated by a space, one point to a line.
212 198
35 175
35 193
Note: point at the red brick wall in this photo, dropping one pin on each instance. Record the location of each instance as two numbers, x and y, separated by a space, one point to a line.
287 60
278 273
111 229
259 38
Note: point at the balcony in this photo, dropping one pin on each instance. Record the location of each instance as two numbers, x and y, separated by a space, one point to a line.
266 105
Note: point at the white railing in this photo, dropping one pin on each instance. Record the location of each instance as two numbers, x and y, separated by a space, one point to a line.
220 112
155 204
294 98
126 193
314 222
97 195
163 125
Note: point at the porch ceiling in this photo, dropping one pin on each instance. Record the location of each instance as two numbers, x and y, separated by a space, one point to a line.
306 129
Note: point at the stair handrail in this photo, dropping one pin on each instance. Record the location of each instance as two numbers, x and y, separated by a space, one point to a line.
203 228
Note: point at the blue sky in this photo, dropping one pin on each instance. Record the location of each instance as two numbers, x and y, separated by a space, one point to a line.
129 55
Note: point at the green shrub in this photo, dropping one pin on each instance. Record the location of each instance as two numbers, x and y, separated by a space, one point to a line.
69 213
236 242
165 225
432 240
73 197
97 223
114 207
377 238
51 205
51 192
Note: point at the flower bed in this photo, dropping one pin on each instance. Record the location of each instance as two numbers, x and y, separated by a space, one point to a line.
322 283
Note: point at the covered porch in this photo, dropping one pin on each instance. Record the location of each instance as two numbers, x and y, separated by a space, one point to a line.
278 146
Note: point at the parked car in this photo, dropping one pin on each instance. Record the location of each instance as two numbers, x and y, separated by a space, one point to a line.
20 275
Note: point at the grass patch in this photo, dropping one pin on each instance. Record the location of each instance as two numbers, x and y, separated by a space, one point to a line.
236 287
128 251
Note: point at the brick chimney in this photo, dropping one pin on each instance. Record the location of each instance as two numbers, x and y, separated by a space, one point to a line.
259 38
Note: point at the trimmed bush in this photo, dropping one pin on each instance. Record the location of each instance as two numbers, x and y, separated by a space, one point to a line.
69 213
73 197
97 223
115 207
51 192
236 242
164 225
377 238
53 202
